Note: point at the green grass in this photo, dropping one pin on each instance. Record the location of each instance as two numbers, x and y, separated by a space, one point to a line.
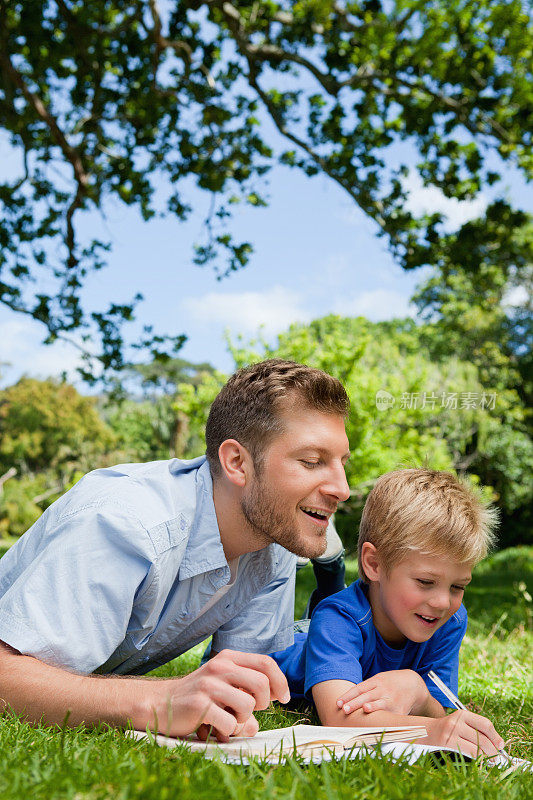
495 680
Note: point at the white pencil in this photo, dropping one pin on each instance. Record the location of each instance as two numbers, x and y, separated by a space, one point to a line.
445 691
454 700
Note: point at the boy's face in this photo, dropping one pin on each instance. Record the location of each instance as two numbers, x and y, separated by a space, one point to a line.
417 597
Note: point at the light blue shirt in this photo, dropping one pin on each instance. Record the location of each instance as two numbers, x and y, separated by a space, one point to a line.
114 575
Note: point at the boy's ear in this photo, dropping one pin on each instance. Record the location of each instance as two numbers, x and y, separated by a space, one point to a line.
370 561
235 461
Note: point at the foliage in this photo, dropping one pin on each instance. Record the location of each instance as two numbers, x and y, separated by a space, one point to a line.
47 424
163 376
441 412
101 763
117 101
484 315
145 431
155 427
480 306
192 405
18 506
51 435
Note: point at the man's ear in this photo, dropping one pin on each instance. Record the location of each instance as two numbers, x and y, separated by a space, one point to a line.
370 561
235 461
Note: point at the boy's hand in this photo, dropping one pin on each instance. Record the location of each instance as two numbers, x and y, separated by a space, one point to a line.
470 733
401 691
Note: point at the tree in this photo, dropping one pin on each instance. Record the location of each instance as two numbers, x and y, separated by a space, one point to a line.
437 412
48 424
109 99
485 316
478 302
49 437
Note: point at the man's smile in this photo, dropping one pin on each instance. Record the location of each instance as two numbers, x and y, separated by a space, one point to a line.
318 515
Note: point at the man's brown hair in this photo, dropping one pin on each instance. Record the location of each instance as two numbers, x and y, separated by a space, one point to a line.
426 511
248 407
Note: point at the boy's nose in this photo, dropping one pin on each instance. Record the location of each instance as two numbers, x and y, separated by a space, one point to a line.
441 600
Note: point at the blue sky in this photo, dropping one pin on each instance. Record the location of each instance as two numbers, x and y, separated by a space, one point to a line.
315 253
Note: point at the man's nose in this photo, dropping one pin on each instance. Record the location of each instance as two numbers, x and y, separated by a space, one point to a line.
338 484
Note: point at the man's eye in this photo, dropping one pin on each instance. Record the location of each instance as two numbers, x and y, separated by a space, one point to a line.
310 464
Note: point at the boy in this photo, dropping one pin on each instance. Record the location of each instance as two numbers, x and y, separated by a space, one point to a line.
369 648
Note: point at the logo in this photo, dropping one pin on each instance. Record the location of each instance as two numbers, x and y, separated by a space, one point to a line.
384 400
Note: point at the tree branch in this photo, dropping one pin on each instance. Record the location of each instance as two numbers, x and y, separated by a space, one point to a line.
365 73
6 476
178 46
235 24
70 153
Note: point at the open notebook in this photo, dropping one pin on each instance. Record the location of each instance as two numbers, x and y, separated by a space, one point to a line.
315 741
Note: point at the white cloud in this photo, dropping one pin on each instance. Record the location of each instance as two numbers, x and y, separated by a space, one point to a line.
245 312
376 305
429 199
24 354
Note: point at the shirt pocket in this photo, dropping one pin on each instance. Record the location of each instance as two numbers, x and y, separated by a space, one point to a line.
170 533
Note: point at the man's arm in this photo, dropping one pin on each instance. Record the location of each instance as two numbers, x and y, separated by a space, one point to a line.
223 694
470 733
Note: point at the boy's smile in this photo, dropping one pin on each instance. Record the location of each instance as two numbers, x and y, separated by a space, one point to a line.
417 596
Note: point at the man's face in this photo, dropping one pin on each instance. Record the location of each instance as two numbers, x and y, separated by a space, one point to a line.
417 597
300 483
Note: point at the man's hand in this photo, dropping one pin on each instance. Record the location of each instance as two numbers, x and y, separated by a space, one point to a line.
470 733
401 691
219 697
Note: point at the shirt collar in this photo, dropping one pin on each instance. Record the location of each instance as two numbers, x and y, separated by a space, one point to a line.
204 551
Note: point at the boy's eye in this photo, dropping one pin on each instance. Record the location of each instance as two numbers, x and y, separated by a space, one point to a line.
424 583
459 588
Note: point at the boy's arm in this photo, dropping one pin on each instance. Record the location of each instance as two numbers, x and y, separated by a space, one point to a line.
402 691
470 733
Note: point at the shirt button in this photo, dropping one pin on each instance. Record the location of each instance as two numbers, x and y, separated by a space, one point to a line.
219 572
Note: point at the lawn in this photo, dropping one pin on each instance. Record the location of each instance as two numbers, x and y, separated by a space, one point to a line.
495 680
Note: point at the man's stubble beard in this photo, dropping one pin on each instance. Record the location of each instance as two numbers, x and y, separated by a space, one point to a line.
260 510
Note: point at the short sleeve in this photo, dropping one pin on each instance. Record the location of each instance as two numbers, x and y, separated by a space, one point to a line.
266 624
442 656
334 646
71 604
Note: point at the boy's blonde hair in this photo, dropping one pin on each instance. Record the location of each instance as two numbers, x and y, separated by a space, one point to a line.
427 511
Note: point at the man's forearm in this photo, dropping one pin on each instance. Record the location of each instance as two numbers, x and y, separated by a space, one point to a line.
222 694
39 691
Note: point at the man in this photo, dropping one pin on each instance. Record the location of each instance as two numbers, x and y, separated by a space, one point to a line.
138 563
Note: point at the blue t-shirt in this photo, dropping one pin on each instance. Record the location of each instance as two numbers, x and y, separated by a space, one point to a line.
343 644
